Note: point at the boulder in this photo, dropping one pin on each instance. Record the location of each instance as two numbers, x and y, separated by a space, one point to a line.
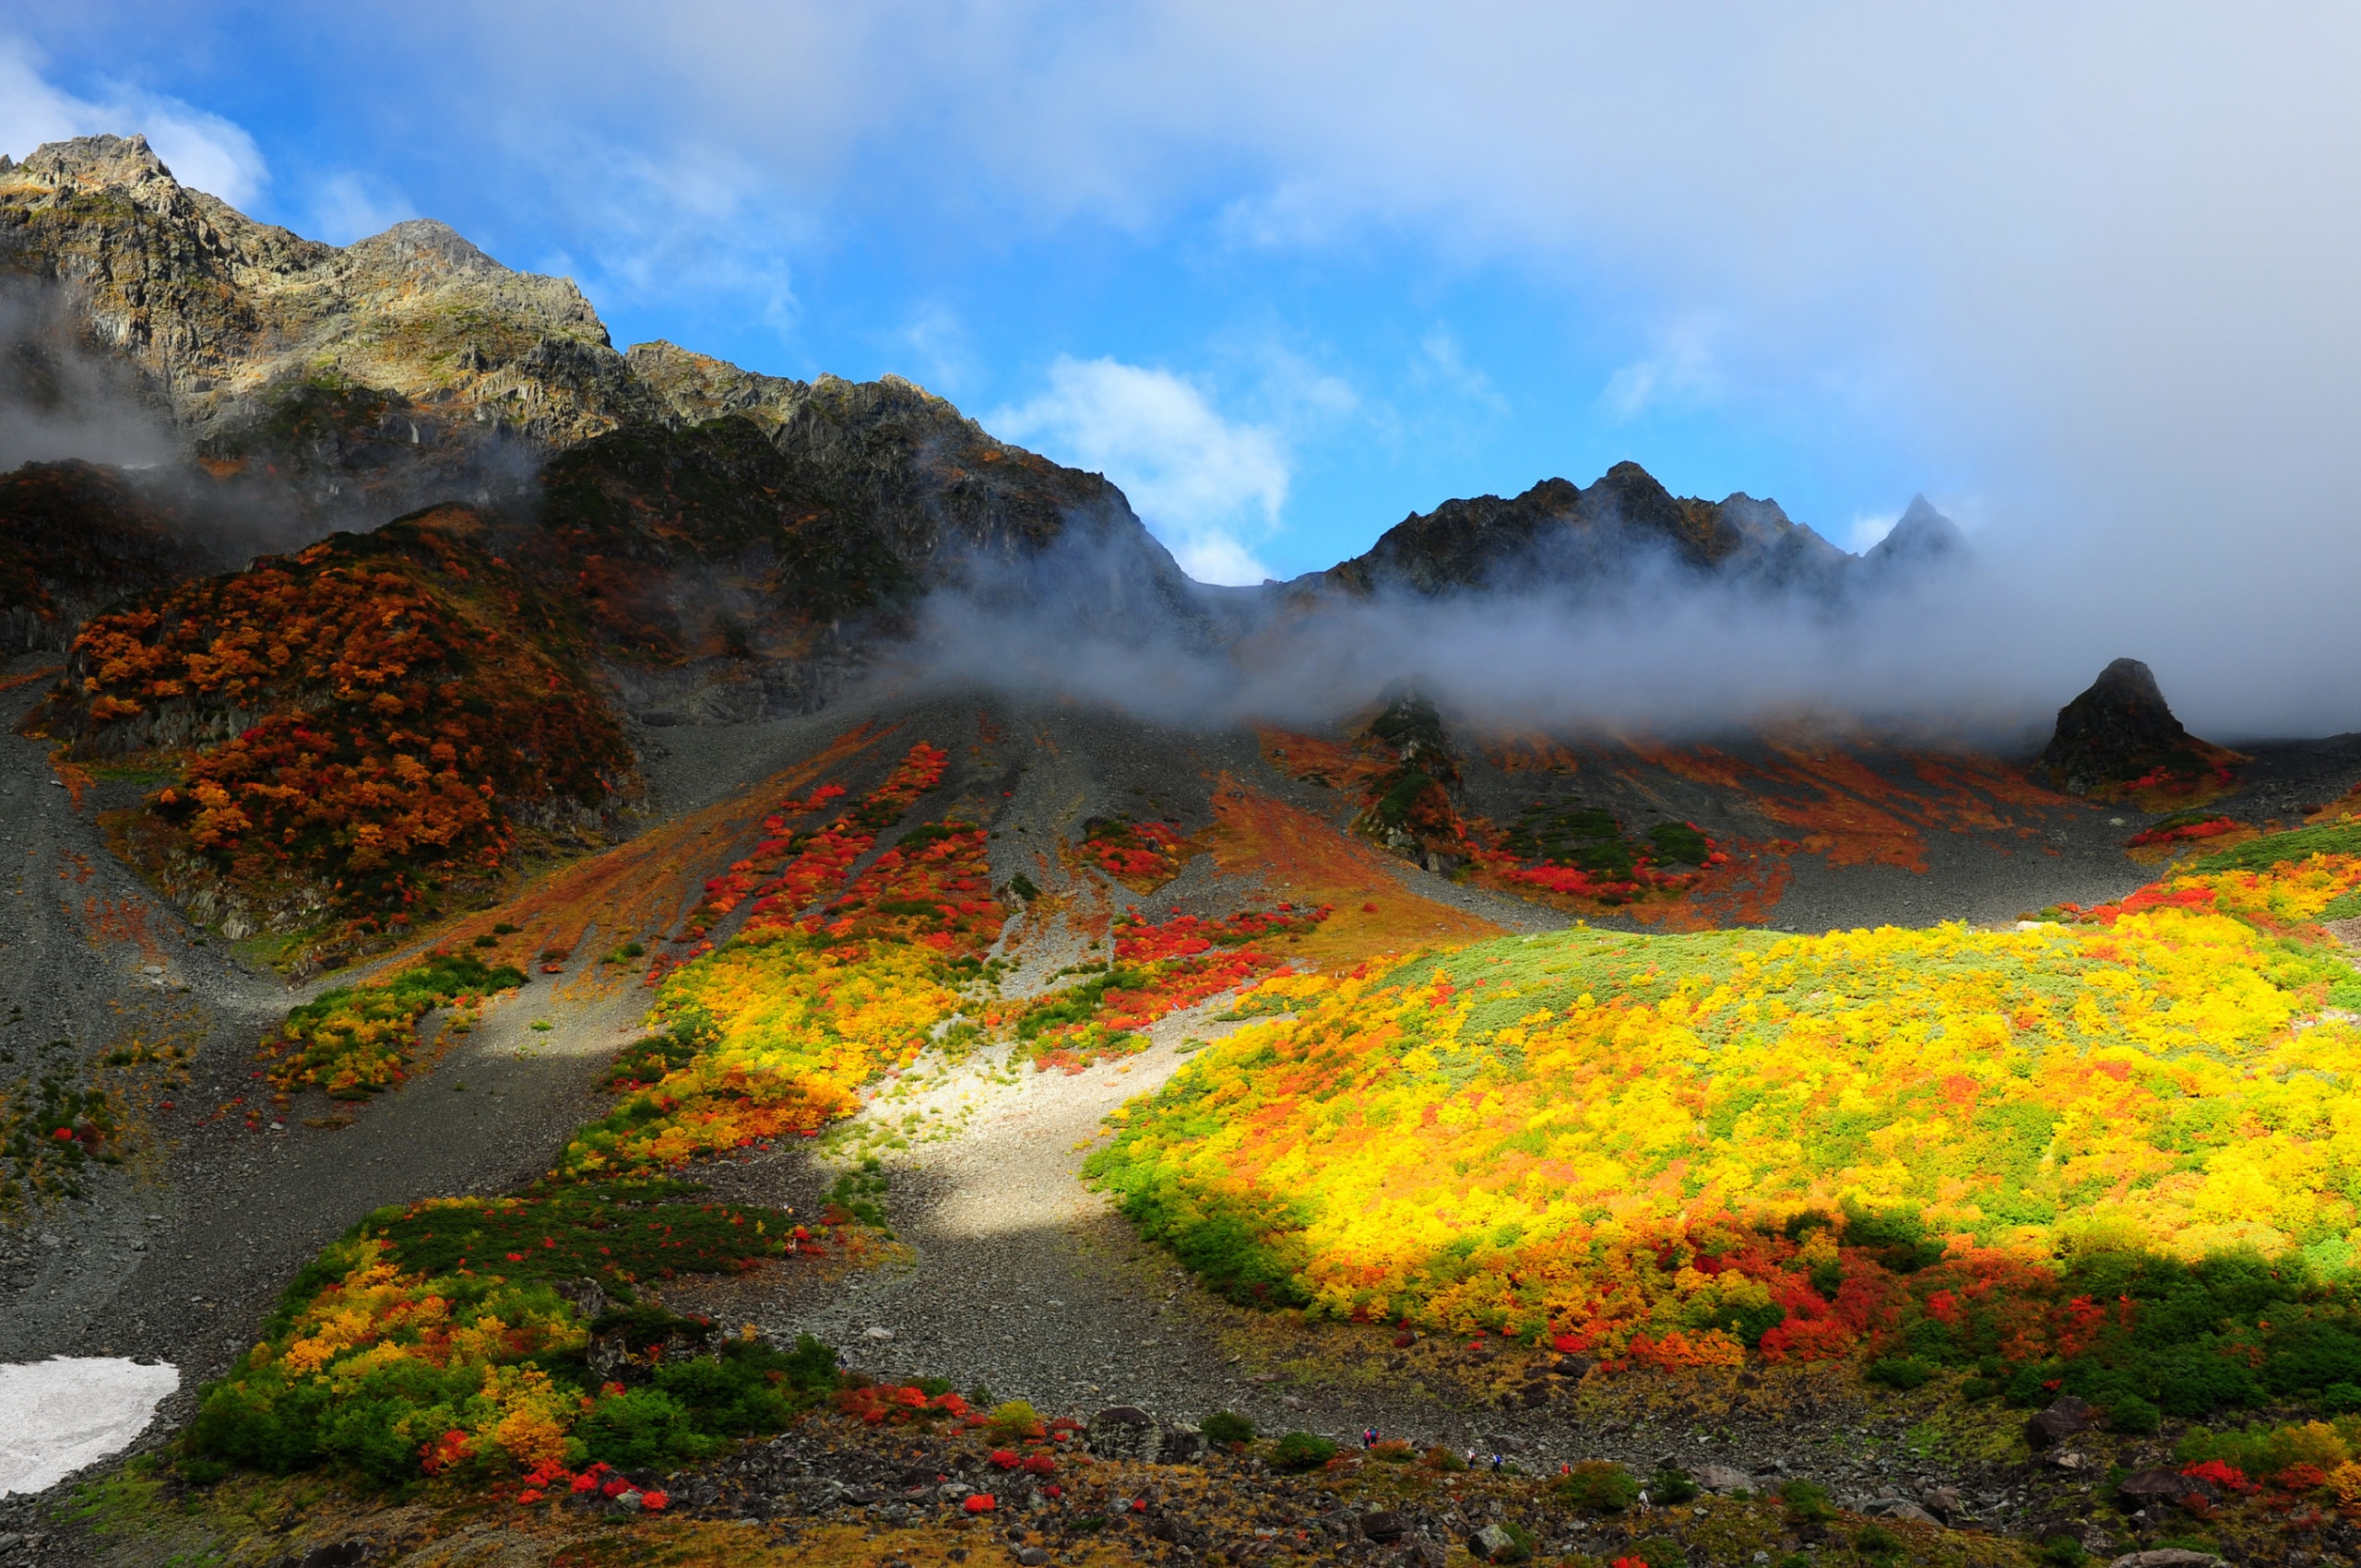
2058 1423
1122 1432
1493 1544
1722 1478
1575 1367
1898 1508
1180 1444
2143 1486
1126 1431
2168 1557
1944 1503
1385 1524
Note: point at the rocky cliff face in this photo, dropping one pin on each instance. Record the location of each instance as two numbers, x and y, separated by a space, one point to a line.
224 316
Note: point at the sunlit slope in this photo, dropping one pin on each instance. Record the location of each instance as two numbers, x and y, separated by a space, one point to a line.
1606 1137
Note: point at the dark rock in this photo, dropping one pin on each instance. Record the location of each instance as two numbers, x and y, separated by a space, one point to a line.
343 1554
1944 1503
1418 1553
1180 1444
1031 1557
1385 1525
2119 730
1898 1508
2145 1487
1180 1532
2058 1423
1575 1367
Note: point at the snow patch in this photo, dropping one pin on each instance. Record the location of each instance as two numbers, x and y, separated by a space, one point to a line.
59 1415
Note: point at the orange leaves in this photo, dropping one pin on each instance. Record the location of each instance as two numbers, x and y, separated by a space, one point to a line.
400 723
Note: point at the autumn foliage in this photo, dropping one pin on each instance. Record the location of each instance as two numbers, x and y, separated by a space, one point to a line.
372 715
1685 1150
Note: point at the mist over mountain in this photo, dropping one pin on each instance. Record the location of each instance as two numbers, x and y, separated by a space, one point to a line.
738 545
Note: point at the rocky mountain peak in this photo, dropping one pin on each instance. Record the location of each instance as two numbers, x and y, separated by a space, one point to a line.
95 162
423 244
1560 536
2118 730
1920 536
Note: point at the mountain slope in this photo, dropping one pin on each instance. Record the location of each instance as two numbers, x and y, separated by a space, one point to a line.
1562 536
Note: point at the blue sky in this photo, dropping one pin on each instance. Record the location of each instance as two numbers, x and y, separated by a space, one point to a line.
1273 389
1290 272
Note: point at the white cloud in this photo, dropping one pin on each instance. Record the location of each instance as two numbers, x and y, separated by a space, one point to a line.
1440 359
1681 374
1867 528
937 341
348 207
203 151
1203 484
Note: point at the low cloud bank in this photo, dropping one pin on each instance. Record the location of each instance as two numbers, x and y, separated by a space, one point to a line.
1981 649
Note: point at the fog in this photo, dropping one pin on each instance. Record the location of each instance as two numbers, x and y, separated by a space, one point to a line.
60 400
2090 266
1975 648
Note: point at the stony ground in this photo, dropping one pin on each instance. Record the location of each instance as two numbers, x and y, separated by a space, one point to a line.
1008 1275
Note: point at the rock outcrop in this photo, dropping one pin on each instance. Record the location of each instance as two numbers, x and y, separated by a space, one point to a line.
2117 732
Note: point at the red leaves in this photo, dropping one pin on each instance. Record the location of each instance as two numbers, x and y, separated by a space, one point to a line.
2229 1477
2213 828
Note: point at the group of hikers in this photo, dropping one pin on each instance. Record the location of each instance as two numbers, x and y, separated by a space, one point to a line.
1475 1456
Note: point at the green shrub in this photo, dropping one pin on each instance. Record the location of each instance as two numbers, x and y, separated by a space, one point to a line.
2062 1551
1659 1552
1669 1486
1302 1451
1808 1502
2261 854
1224 1428
1876 1540
643 1429
1903 1373
2134 1417
1598 1486
1013 1420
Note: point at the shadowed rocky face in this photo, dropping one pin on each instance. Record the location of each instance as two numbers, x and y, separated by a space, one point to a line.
2116 731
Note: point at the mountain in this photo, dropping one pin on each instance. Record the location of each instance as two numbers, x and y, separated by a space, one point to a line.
411 369
1560 537
653 537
